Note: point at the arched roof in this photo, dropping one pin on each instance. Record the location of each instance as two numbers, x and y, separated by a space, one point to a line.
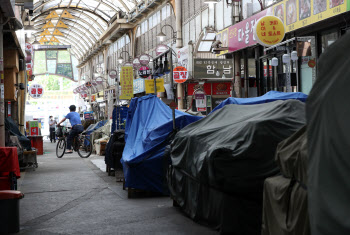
90 19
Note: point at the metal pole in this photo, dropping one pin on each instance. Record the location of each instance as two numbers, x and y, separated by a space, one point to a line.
117 95
174 127
2 96
155 85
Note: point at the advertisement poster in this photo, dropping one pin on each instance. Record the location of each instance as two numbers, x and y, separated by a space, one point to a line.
139 85
149 85
126 83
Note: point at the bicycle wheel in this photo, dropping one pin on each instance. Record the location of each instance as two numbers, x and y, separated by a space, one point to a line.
85 147
60 148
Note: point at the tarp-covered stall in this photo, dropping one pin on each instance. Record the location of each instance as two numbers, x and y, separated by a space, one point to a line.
328 122
219 163
285 209
266 98
148 126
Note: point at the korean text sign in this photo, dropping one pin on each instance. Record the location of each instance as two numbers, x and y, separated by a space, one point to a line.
213 68
126 83
269 30
36 91
149 85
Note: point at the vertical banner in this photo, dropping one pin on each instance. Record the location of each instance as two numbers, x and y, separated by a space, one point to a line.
126 82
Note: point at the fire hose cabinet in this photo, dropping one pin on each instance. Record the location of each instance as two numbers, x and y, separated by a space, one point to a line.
9 211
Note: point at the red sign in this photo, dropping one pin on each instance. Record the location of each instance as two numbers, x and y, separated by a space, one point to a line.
312 63
241 35
201 109
191 87
144 72
222 88
173 105
180 74
34 131
36 91
265 70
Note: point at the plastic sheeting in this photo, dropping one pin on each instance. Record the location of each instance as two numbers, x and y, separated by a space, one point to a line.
266 98
328 116
219 163
285 208
148 126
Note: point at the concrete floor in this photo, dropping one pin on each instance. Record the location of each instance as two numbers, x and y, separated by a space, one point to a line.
72 196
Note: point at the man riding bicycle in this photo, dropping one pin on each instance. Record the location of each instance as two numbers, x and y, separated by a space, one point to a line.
77 127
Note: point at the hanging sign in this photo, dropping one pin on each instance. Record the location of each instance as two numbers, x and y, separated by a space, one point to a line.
36 91
161 49
128 64
269 30
180 74
144 59
182 56
113 74
126 82
149 85
144 72
99 80
136 63
311 63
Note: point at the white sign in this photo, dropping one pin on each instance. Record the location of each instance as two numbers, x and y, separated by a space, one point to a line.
144 59
113 74
182 57
36 91
2 91
161 49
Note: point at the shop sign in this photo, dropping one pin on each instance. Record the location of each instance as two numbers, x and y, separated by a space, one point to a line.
113 74
269 30
136 63
36 91
180 74
144 59
144 72
126 82
88 115
191 87
182 57
99 80
128 64
161 49
293 15
139 85
312 63
149 85
213 69
222 36
222 88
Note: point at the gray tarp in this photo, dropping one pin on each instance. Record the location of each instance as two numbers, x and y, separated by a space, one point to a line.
328 121
219 163
285 197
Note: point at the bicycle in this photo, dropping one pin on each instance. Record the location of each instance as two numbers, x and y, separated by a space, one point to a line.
81 144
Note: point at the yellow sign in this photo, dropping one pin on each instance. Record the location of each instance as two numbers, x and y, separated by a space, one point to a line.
48 25
222 36
51 43
301 13
54 39
57 33
126 82
60 24
149 85
269 30
43 39
52 14
66 14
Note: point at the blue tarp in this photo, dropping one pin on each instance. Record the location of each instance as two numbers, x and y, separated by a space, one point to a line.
268 97
93 127
148 125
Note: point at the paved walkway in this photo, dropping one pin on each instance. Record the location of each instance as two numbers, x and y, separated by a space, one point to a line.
72 196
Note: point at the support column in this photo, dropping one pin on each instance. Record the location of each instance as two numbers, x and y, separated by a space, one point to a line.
179 44
2 93
237 71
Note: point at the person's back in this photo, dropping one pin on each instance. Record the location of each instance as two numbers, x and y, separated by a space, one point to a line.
77 127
